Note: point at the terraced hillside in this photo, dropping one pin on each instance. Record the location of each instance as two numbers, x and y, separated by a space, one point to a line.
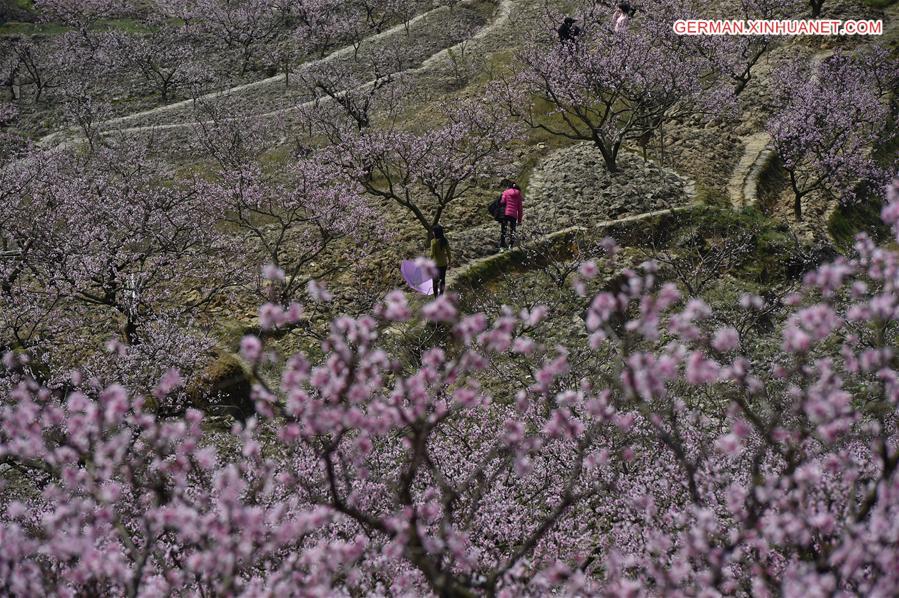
222 373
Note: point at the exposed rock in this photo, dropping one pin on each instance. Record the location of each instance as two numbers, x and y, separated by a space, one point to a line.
223 388
571 187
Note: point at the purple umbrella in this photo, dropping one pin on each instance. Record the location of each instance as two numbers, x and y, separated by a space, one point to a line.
417 277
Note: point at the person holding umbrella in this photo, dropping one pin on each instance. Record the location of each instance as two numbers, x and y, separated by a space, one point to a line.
441 256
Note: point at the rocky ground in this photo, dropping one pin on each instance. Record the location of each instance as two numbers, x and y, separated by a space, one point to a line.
571 187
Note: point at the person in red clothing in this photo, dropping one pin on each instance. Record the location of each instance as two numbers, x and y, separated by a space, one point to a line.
512 208
622 16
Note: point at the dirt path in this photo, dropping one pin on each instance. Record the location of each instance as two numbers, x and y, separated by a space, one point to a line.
742 187
472 272
500 19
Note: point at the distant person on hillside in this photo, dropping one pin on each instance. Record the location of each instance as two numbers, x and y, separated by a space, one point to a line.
622 17
569 31
512 204
440 254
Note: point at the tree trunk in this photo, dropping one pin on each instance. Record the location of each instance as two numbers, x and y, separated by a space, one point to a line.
797 194
130 330
662 143
608 156
245 61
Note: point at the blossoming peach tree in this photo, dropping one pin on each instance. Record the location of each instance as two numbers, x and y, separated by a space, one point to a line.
826 120
661 454
613 87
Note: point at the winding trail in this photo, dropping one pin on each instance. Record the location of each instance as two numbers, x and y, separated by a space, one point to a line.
742 187
64 138
500 18
474 272
570 192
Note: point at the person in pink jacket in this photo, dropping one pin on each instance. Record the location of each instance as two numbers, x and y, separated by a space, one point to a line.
622 16
512 205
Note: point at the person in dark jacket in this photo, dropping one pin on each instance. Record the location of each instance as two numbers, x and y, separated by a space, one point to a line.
569 31
441 256
512 205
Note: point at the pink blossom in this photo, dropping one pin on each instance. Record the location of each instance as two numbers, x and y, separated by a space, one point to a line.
272 272
730 445
514 431
523 345
440 310
700 369
169 382
588 270
809 326
251 348
726 339
395 307
318 293
748 301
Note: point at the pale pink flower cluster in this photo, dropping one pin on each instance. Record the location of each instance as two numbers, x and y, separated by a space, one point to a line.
662 460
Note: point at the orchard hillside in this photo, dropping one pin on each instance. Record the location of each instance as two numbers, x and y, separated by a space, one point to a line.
664 364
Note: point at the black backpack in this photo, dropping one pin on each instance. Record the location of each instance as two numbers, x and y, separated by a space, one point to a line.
495 208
